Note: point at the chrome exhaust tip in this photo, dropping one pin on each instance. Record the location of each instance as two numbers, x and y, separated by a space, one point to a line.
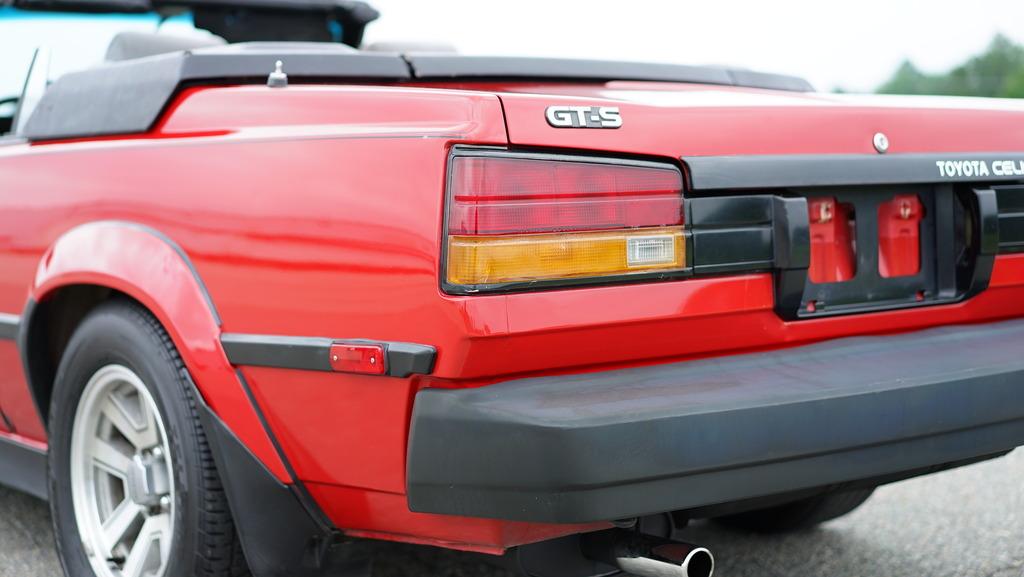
648 556
667 560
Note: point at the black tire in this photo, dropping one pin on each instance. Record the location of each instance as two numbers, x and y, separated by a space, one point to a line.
204 543
798 515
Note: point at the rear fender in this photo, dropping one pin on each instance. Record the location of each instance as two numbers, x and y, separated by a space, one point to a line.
146 265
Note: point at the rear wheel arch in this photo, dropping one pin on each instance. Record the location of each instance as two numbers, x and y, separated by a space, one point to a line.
92 263
47 327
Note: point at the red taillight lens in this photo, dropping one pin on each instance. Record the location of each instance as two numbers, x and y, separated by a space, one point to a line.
524 219
515 196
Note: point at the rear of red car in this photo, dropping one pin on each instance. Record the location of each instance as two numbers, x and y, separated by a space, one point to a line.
657 301
497 304
722 300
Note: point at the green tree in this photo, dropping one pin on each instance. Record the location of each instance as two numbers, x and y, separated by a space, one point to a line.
1014 87
909 80
997 72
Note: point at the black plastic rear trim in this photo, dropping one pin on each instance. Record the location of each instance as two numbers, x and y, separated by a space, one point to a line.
23 468
1010 200
128 97
280 536
312 353
632 442
444 66
708 173
792 248
731 234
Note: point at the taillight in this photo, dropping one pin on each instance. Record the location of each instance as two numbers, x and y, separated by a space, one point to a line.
516 219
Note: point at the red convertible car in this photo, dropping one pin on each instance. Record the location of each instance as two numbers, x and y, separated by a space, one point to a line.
266 294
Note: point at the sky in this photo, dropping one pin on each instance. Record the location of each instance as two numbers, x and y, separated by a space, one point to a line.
854 45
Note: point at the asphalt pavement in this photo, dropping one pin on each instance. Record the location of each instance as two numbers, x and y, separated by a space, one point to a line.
963 523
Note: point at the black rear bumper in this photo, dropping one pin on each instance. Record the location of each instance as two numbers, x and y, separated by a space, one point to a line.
632 442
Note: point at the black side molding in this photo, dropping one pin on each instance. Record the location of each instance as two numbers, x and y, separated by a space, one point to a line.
23 468
9 326
800 170
313 353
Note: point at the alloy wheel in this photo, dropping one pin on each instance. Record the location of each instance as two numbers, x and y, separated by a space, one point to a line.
122 477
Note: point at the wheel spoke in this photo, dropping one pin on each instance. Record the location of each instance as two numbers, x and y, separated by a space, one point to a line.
142 435
107 457
122 477
115 527
150 429
163 527
155 532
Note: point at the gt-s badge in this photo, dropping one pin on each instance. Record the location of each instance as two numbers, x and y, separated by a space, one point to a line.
584 116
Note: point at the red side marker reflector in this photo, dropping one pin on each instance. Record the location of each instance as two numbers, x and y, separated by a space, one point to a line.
364 359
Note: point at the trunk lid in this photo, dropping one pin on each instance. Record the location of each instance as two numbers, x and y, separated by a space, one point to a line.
677 120
856 204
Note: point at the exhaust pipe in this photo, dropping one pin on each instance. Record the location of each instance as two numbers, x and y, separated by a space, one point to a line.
649 557
666 560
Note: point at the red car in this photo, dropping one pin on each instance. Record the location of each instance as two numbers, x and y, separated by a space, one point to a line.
262 300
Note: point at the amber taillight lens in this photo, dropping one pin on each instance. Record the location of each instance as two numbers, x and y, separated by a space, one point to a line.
518 219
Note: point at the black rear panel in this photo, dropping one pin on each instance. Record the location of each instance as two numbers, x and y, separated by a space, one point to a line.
1011 218
959 227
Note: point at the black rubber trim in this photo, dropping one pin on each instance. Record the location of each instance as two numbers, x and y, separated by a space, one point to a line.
633 442
9 326
792 248
1011 218
128 97
279 535
23 468
709 173
722 509
313 353
731 234
974 272
447 66
303 353
33 356
406 359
